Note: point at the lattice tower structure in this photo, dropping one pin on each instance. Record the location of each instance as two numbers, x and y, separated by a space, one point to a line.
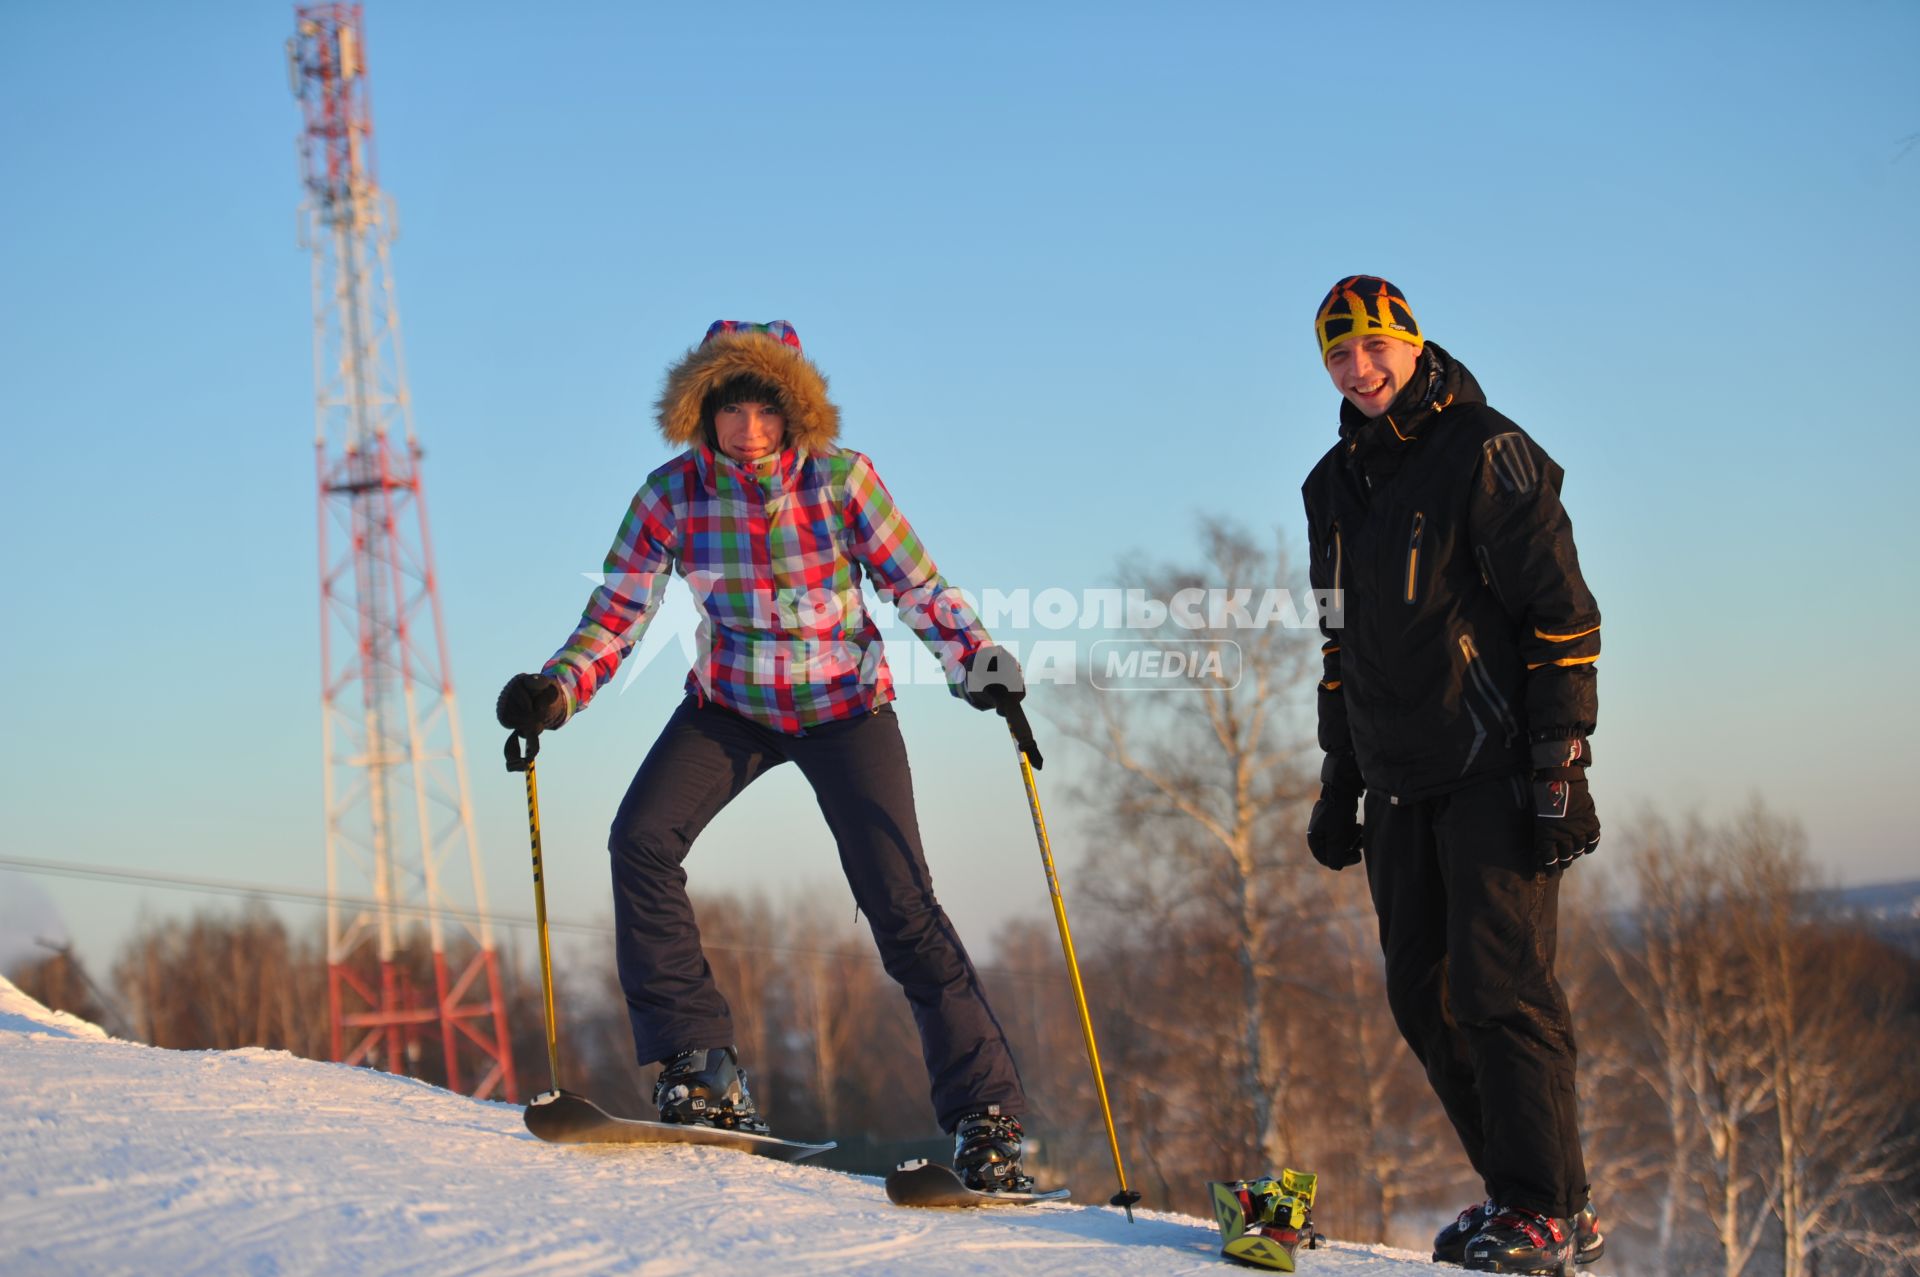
403 859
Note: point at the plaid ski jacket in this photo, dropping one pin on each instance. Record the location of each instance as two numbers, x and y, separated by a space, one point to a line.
775 553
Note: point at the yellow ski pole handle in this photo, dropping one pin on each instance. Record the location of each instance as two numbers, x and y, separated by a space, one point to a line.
1023 746
518 763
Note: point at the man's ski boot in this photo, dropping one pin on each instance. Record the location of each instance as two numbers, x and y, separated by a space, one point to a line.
1264 1222
1589 1243
986 1152
707 1088
1450 1246
1450 1243
1518 1241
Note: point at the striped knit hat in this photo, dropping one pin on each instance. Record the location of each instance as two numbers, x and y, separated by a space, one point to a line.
1362 306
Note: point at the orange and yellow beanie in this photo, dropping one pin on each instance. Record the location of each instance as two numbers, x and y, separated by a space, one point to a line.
1361 306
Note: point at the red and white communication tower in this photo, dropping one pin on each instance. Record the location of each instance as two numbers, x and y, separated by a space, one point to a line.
401 852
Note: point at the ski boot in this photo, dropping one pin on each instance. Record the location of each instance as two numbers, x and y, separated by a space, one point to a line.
986 1152
1589 1243
1450 1246
1518 1241
707 1088
1264 1222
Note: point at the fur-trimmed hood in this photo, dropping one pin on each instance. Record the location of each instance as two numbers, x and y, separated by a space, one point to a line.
770 352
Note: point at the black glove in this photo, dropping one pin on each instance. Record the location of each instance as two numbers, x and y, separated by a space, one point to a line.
1565 826
993 674
1333 829
530 704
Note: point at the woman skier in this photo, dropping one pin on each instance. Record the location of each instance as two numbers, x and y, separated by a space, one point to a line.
773 527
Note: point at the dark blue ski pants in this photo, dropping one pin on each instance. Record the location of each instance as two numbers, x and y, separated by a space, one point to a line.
858 770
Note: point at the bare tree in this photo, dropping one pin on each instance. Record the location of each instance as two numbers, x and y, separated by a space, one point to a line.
1252 1027
1671 964
1214 771
1764 1059
1644 1138
1724 1051
1836 1051
218 981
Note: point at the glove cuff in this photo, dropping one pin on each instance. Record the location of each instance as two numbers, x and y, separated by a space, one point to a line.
1557 756
990 667
562 708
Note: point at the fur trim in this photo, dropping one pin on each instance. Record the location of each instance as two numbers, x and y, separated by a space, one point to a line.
813 422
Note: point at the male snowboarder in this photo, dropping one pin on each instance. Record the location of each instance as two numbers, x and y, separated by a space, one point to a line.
1457 697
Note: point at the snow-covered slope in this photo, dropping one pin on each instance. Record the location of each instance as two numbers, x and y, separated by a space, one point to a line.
119 1158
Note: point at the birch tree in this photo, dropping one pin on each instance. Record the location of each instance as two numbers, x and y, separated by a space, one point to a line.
1837 1053
1773 1041
1205 779
1668 964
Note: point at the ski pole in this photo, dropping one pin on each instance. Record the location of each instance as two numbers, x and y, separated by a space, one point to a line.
517 762
1026 749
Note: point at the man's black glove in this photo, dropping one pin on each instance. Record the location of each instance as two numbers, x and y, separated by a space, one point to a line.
1565 827
992 674
1333 829
530 704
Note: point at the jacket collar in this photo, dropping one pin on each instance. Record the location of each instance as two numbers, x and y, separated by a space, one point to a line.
1432 389
774 476
1376 444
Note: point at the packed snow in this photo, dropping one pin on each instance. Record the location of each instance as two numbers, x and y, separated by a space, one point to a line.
117 1158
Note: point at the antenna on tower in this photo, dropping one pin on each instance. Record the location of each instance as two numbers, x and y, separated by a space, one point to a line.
399 816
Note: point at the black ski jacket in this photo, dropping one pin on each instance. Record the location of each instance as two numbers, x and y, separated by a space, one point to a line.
1458 626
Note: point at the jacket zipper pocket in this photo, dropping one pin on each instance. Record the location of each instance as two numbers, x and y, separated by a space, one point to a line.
1413 556
1486 573
1338 555
1482 682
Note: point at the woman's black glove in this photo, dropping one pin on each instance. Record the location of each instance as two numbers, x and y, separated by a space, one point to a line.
1334 831
1566 827
530 704
993 674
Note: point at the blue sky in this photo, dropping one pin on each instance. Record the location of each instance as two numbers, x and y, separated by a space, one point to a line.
1059 262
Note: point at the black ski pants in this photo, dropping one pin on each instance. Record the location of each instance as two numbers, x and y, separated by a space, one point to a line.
1469 927
858 770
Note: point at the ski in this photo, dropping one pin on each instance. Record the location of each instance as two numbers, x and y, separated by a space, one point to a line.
561 1117
1264 1222
922 1183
